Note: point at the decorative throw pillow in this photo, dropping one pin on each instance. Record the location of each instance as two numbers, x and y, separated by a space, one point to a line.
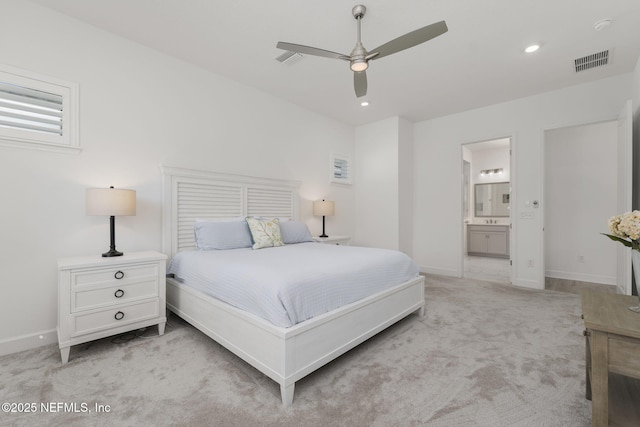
294 232
265 232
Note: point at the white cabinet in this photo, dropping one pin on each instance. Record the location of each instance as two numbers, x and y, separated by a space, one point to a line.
488 240
99 297
334 240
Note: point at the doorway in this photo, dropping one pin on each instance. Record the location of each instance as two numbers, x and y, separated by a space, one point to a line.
581 189
486 200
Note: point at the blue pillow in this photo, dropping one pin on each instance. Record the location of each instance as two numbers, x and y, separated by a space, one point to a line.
222 235
294 232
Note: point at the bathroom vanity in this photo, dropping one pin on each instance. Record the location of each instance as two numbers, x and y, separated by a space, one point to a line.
490 240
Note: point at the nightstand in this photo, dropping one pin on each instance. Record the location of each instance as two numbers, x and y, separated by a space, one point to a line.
333 240
99 297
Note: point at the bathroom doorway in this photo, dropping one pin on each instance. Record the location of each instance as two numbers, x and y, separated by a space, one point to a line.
486 199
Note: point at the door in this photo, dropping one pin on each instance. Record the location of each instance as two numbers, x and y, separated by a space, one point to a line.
625 173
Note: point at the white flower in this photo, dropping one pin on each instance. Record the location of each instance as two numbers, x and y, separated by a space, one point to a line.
625 229
629 225
614 221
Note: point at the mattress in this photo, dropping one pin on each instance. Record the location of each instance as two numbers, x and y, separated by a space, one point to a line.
289 284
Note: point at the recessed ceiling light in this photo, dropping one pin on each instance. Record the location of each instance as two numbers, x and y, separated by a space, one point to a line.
532 48
364 103
602 24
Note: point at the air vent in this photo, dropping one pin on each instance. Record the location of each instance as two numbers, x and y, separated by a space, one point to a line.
289 57
592 61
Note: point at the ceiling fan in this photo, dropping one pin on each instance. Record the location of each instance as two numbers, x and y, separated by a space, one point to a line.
360 57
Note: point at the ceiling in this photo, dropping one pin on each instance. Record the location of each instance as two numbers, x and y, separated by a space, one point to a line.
479 61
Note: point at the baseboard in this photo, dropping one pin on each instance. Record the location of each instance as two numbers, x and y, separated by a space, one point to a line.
27 342
439 271
576 286
525 283
592 278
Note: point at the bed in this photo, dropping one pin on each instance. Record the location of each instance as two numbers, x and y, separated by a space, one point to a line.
283 353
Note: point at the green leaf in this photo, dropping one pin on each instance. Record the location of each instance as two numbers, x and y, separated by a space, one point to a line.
625 242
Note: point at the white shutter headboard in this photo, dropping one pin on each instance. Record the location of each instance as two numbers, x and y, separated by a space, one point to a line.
189 194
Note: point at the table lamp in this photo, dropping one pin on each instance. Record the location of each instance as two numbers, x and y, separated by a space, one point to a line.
111 202
324 208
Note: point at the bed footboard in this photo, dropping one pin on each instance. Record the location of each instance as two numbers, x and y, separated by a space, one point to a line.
289 354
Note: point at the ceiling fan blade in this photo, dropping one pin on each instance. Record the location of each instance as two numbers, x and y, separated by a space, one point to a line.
411 39
308 50
360 83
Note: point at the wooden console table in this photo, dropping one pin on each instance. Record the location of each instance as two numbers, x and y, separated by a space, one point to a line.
612 346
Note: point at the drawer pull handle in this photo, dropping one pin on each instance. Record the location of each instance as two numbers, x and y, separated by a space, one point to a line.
119 293
119 315
119 275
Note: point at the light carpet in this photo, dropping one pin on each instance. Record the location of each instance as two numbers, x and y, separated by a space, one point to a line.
485 354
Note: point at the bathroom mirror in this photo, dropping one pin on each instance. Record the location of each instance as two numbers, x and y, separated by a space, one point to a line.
492 199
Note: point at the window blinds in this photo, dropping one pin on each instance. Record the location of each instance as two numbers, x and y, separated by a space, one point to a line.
30 109
340 169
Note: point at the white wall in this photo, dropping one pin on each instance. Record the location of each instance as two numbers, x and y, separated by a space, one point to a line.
384 179
376 177
138 109
580 165
405 186
438 240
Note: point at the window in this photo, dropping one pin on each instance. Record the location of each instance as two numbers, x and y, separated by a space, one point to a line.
340 169
37 111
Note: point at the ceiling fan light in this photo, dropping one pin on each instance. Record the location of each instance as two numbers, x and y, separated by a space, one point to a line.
532 48
359 65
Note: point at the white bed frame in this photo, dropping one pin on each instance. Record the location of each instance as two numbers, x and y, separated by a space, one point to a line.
283 354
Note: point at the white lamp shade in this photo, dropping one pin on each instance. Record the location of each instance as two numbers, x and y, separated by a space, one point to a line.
324 208
111 201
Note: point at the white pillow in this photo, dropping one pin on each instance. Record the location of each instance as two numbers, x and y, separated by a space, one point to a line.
212 235
295 232
265 232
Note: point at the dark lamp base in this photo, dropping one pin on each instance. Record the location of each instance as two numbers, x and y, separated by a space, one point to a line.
323 232
112 235
112 252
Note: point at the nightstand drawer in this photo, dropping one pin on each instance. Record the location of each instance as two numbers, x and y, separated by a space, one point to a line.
87 298
114 275
114 317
